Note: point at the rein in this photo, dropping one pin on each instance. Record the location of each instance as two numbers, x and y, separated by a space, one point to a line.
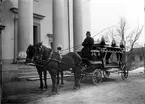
55 60
45 61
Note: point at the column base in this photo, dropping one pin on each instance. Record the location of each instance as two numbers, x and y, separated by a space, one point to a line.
21 60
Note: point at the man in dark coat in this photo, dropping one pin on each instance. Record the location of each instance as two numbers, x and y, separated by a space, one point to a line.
87 43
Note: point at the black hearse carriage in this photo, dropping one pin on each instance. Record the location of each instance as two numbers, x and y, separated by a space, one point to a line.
104 60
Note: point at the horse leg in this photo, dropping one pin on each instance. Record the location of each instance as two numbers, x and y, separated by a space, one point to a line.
53 74
45 79
58 78
40 78
61 79
77 77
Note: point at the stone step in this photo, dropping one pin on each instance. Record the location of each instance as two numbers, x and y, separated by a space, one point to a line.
36 77
48 77
31 76
30 73
27 70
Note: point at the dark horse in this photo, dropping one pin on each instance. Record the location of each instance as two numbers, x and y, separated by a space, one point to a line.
39 63
55 63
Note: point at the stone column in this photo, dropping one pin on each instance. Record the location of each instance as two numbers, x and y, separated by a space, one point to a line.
60 24
1 28
81 21
25 26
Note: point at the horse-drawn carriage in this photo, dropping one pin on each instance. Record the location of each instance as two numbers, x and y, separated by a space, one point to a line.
104 60
46 60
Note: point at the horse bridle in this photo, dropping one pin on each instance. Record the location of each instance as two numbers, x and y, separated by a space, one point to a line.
49 59
31 57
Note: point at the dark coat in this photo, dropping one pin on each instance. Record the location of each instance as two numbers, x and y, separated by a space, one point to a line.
87 43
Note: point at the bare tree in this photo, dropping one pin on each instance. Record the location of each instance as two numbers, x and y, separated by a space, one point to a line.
122 28
121 31
131 38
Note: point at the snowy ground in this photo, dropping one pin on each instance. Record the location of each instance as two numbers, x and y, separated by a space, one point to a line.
138 70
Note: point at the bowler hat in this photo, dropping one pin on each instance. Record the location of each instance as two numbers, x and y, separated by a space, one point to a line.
88 32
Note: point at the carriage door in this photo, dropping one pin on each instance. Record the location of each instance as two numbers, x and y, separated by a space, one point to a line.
36 33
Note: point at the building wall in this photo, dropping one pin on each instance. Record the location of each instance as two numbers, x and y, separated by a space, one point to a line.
8 33
137 57
42 7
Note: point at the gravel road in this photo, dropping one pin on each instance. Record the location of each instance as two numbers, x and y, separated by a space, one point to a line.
110 91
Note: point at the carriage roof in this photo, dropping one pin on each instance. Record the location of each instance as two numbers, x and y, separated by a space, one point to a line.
105 48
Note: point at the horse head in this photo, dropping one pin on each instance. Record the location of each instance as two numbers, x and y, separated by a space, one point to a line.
30 53
38 51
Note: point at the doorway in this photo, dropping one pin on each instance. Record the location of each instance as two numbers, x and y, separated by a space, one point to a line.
36 33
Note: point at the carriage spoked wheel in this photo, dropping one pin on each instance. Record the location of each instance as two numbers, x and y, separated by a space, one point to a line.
124 73
97 77
106 74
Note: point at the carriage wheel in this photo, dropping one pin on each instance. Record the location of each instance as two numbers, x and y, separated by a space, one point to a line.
106 74
124 74
97 77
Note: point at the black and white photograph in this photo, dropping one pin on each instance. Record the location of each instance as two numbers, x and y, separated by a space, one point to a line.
72 52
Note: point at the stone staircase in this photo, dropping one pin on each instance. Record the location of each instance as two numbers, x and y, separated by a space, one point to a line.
20 72
29 73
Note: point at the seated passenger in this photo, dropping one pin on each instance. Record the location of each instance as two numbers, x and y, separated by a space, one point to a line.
87 45
119 55
122 44
122 47
113 43
102 43
102 54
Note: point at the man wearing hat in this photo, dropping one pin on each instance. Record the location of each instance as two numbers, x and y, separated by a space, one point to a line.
87 43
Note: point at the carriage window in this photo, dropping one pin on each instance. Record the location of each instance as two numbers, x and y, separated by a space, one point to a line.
140 57
133 58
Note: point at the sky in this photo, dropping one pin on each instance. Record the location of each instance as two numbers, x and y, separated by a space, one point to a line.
107 13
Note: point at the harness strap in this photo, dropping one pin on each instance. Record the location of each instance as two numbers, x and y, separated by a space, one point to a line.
50 56
55 60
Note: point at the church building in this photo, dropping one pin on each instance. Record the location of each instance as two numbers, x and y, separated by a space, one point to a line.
52 22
